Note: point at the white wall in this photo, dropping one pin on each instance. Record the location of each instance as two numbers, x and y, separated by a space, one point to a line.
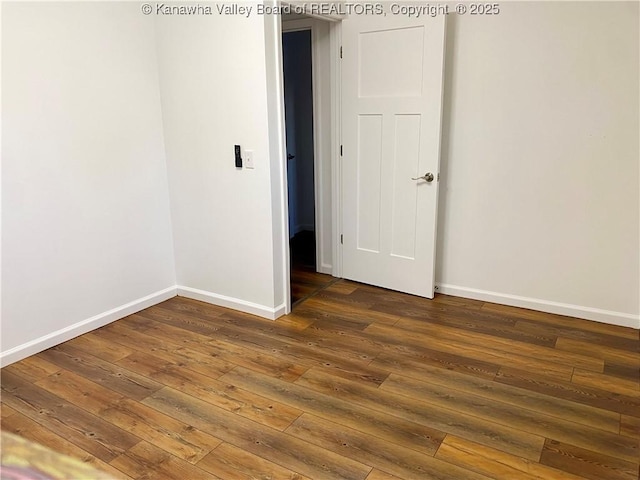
539 189
214 95
86 234
539 194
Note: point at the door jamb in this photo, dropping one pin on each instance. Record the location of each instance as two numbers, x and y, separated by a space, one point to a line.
335 135
335 34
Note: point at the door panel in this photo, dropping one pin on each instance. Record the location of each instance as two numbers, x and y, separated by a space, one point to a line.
405 196
392 72
368 182
390 62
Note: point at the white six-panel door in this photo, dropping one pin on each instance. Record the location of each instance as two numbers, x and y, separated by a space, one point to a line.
392 71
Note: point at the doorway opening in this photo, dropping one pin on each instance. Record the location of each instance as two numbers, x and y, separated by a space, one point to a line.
302 165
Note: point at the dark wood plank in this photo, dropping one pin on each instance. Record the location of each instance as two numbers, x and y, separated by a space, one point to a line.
586 463
305 281
551 320
607 354
517 397
462 318
462 313
322 316
416 359
371 295
495 463
229 461
201 361
32 368
219 393
288 451
330 343
502 413
570 391
175 437
476 352
301 290
466 303
575 333
294 321
182 319
449 419
145 461
23 426
628 373
348 302
388 427
6 411
107 374
347 365
344 287
380 475
477 329
606 382
97 346
351 346
244 327
502 344
630 426
263 361
388 386
331 311
89 432
374 451
134 321
187 305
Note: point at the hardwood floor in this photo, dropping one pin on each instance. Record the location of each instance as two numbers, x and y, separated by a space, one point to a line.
357 383
305 280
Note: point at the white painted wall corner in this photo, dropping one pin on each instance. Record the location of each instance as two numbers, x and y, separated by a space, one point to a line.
270 313
326 268
59 336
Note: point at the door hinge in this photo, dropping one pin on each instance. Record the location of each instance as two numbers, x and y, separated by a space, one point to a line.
340 51
340 150
341 239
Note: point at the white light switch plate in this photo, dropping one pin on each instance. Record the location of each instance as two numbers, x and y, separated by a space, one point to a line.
248 159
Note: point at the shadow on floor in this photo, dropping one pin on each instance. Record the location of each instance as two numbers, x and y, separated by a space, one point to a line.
305 281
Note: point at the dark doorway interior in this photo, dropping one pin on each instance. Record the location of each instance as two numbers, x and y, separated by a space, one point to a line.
305 281
298 99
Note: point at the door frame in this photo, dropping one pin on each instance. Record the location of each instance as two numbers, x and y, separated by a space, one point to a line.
320 153
323 186
335 34
277 137
273 32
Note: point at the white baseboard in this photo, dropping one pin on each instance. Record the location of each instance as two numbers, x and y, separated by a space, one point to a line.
588 313
326 268
270 313
47 341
